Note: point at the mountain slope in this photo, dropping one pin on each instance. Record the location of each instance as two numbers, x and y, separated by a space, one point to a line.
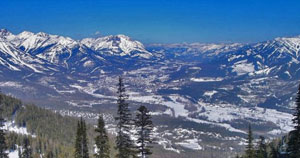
85 55
119 45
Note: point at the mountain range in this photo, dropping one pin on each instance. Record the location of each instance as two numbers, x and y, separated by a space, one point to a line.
202 96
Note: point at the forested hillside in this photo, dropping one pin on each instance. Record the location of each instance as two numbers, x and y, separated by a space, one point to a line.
48 131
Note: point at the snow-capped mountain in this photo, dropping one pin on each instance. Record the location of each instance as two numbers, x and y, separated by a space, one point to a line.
276 57
15 60
120 45
209 90
48 49
68 53
194 51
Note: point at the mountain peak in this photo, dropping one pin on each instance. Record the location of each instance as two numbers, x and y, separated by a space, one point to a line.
5 32
121 36
288 44
120 45
118 37
42 34
25 34
294 38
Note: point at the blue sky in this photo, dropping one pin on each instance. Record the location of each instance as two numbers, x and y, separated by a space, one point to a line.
156 21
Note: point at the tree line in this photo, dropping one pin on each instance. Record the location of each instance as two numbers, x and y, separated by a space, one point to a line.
49 133
127 127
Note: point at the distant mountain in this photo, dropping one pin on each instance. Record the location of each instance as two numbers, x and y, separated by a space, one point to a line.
194 51
207 92
65 52
278 57
119 45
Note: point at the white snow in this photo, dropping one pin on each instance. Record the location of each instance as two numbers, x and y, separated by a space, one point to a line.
17 58
235 57
195 68
227 112
210 93
12 127
275 132
190 144
117 45
13 154
88 64
176 102
207 79
10 84
243 67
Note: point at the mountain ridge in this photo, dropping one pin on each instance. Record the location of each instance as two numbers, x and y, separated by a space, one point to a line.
64 51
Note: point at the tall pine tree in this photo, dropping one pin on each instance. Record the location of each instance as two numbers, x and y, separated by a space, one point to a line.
84 140
274 151
124 144
144 127
27 150
50 154
262 148
81 142
78 142
101 140
3 145
294 141
19 153
250 152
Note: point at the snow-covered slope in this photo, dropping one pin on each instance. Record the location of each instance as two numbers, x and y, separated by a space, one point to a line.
48 47
16 60
44 46
194 51
279 57
87 54
120 45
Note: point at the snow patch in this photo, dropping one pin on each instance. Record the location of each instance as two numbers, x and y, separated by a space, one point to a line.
12 127
210 93
190 144
207 79
242 68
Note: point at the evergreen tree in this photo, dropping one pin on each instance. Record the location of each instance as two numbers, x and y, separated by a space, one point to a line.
50 154
262 148
19 153
144 127
294 143
85 148
78 142
81 142
250 153
39 147
26 151
274 151
124 144
3 145
101 141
